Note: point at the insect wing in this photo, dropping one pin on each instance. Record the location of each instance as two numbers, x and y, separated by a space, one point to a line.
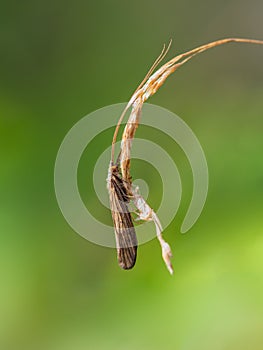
126 240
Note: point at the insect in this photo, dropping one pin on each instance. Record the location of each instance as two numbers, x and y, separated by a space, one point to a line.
126 240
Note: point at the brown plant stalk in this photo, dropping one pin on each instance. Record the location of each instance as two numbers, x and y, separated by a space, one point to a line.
148 87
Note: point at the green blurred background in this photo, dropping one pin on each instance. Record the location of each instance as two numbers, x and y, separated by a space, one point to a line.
61 60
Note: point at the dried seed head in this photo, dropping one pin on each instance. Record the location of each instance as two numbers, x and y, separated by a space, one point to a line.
121 187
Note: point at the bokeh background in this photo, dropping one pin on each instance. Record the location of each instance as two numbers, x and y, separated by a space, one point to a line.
61 60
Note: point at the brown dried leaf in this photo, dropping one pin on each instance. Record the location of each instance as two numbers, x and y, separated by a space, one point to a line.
148 87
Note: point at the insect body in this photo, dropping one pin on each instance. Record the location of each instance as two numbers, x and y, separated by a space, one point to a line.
126 240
